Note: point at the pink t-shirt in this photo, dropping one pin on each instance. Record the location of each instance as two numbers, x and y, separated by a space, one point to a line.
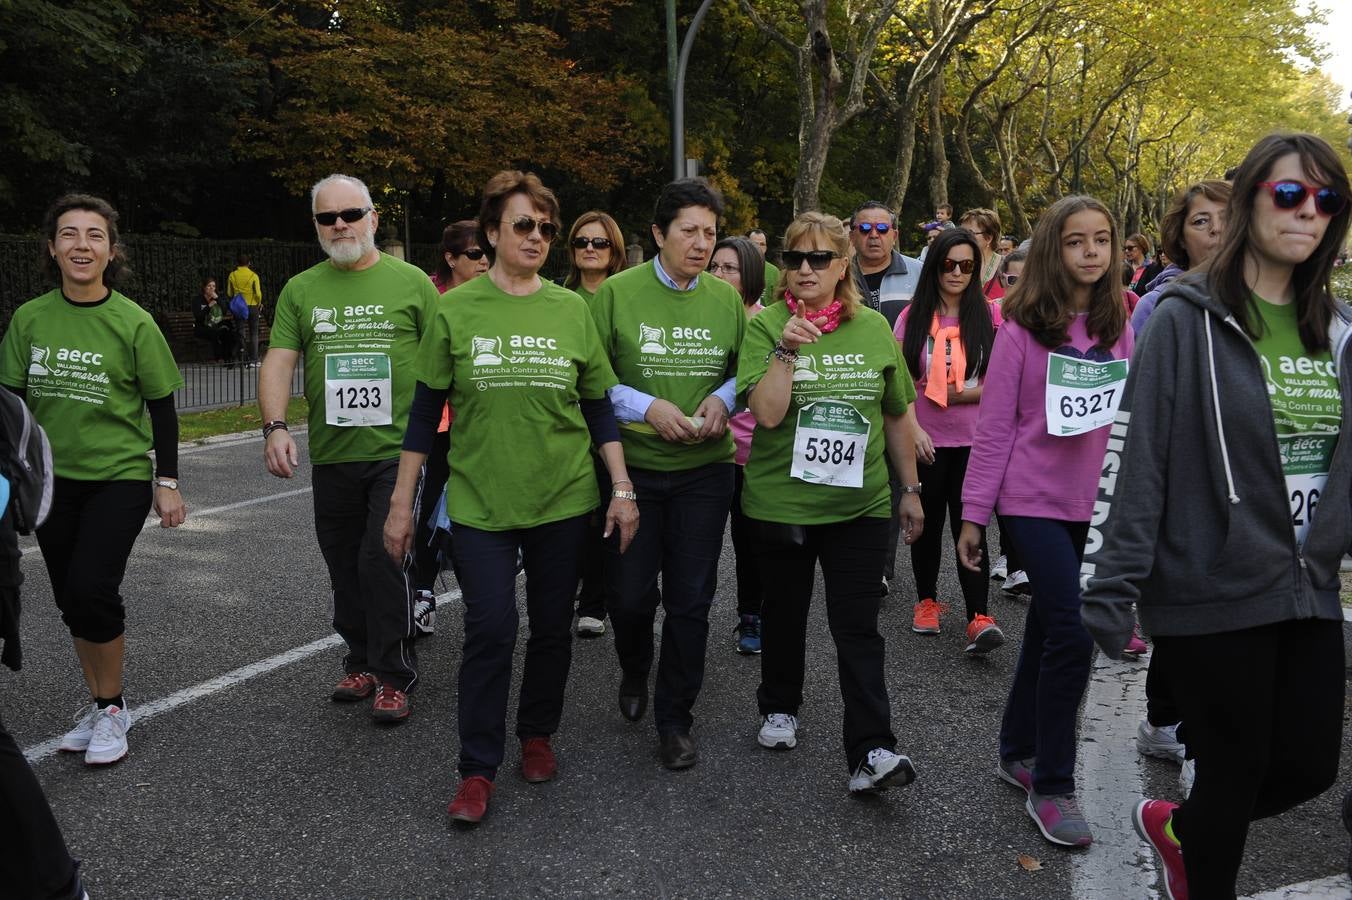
1016 467
743 424
954 425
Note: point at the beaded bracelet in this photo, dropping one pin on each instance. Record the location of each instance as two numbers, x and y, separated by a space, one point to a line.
784 354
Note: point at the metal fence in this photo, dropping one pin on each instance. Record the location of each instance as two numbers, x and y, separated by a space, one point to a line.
212 385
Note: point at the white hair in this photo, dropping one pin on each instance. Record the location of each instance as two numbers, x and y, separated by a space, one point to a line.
339 179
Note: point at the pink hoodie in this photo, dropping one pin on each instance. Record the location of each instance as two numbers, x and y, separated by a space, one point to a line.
1016 467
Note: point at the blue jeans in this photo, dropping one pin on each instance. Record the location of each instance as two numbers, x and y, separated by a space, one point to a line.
680 535
486 568
1053 670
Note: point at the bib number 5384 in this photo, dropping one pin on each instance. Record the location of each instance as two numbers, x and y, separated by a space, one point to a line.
829 443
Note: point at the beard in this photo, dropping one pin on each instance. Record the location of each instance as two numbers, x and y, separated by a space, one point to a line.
346 253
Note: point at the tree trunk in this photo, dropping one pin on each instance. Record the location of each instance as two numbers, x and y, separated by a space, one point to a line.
901 169
938 155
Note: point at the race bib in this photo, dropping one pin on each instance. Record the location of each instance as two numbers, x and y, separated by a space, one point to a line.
1305 462
829 444
357 389
1082 395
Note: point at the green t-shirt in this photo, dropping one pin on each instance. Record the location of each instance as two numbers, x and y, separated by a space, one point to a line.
516 368
842 386
1307 408
88 370
359 332
583 293
678 346
771 280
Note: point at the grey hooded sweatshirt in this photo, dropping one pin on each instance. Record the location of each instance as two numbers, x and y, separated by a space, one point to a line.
1193 523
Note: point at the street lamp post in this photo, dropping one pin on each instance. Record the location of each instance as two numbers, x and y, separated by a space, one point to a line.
678 93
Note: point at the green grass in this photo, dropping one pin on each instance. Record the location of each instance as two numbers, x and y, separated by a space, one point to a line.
1342 283
195 426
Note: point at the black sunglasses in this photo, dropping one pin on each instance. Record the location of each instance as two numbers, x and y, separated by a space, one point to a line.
817 259
524 225
964 265
474 253
867 227
1292 194
355 214
581 243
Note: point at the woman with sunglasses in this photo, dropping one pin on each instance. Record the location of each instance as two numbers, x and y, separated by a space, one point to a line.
461 259
595 252
984 224
96 372
1233 446
671 331
521 361
1053 384
946 336
741 264
824 378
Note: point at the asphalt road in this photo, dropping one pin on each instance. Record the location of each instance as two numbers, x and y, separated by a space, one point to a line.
254 784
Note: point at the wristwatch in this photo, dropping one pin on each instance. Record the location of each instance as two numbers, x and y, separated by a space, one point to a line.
170 483
624 495
911 488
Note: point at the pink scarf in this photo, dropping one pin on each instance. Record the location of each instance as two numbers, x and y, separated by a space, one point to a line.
831 311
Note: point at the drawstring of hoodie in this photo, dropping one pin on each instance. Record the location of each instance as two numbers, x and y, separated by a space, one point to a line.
1216 405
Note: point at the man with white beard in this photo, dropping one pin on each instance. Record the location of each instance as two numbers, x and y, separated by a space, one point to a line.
357 318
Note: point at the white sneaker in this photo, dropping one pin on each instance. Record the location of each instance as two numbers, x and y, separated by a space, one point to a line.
1186 776
425 613
108 743
1000 568
589 627
1017 583
77 739
1161 742
779 732
880 770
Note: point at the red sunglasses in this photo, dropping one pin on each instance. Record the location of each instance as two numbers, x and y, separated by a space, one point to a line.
1291 195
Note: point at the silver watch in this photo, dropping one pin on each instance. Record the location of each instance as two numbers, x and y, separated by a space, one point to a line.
170 483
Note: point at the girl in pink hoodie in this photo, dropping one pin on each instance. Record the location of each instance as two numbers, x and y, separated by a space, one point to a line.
1056 376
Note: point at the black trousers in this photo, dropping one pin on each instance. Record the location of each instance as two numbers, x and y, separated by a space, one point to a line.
426 547
86 542
591 589
372 597
1160 707
749 590
681 520
486 566
1264 712
851 555
34 861
942 494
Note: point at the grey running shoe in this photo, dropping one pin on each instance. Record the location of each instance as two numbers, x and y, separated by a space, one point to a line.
1161 742
779 732
1059 819
1018 772
880 770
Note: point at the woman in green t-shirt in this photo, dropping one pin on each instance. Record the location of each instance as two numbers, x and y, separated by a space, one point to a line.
825 380
524 370
89 363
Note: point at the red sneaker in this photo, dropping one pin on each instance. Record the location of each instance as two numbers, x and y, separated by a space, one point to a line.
1136 647
983 635
537 760
471 801
926 619
1150 817
355 686
391 705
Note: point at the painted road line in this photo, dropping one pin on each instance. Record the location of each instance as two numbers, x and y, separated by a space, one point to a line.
216 442
1335 887
49 747
1109 783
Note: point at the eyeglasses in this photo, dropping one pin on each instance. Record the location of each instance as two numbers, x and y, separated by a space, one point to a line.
870 227
524 225
355 214
728 269
963 265
582 243
1292 194
816 259
474 253
1010 278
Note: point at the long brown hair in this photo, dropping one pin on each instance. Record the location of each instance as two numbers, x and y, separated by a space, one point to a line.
1040 300
1314 300
612 230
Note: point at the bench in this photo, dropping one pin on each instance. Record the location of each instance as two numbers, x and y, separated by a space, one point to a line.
188 347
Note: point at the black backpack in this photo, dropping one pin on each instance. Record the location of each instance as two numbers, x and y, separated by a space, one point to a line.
26 460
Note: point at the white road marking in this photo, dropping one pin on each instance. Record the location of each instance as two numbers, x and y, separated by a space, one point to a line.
154 520
1109 783
1335 887
49 747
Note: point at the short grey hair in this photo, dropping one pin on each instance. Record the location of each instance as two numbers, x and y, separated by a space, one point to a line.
343 179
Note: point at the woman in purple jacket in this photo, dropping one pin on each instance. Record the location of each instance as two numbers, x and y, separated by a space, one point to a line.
1056 376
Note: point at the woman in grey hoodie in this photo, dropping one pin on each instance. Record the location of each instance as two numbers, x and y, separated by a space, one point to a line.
1210 517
